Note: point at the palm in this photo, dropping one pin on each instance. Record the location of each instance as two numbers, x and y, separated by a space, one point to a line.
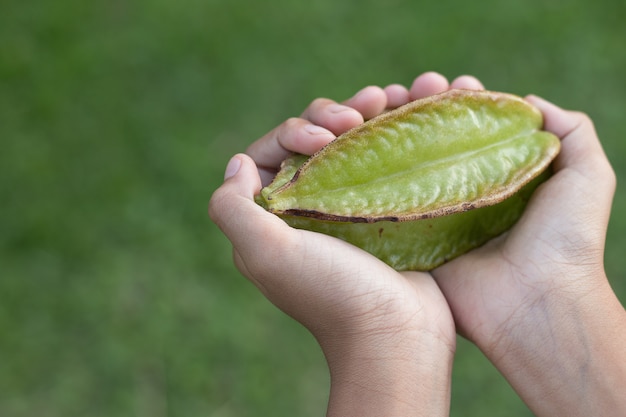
488 288
345 282
346 278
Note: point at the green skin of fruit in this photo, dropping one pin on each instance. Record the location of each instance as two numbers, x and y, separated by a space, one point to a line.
425 244
422 184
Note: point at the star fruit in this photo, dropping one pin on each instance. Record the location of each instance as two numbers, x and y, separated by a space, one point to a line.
424 183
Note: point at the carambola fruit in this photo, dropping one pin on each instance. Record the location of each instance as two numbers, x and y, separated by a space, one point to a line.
424 183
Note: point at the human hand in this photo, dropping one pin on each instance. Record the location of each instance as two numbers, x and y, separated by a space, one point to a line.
381 330
536 300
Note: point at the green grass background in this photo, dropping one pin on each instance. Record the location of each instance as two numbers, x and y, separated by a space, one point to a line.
117 294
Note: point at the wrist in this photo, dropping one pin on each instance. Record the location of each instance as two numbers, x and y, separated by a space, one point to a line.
393 372
563 354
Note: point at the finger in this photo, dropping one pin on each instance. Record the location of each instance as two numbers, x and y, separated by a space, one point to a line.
397 95
333 116
233 210
428 84
369 101
467 82
580 146
581 164
557 120
260 239
293 135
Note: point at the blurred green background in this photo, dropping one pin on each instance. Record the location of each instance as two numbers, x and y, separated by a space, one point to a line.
117 294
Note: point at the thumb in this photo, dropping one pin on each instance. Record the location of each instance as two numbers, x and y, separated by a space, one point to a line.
584 181
233 201
233 210
580 147
241 175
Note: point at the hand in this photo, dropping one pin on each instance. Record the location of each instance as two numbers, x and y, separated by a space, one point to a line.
536 300
381 330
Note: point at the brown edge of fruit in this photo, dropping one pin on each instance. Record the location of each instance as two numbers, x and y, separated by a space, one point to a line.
407 108
443 211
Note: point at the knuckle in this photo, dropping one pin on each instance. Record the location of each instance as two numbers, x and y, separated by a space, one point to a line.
610 177
582 121
213 208
583 118
292 123
287 129
217 205
317 106
320 102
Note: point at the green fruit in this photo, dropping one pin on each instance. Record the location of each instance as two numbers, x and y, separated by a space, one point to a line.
424 183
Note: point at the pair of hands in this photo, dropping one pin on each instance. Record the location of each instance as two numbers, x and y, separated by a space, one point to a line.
535 300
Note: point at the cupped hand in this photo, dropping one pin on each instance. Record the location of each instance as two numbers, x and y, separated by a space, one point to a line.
368 318
536 300
313 277
328 285
556 248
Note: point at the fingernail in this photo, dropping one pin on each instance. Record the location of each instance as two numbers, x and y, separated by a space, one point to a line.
316 130
232 168
338 108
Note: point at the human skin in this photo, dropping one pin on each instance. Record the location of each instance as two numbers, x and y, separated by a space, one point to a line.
388 337
536 300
